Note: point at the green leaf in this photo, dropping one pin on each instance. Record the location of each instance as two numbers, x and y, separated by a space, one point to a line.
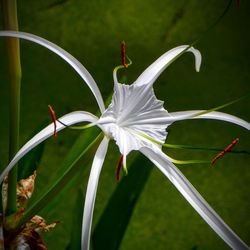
75 239
30 162
77 178
113 223
84 146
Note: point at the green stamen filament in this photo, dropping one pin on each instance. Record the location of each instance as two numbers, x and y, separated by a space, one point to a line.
176 146
184 162
220 107
125 170
122 66
188 147
77 127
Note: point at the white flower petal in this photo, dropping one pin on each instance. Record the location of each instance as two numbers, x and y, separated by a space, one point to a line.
69 119
91 192
122 119
73 62
155 69
194 198
187 115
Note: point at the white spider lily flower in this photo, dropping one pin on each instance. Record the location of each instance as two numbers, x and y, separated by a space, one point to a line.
136 120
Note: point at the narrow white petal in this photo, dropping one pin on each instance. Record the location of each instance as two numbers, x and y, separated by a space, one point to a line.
156 68
91 192
69 119
73 62
194 198
187 115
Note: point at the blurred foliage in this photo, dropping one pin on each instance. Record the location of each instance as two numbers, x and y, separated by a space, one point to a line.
92 32
30 162
115 218
75 239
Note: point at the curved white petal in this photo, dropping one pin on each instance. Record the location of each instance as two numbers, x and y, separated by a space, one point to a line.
68 119
73 62
155 69
91 192
187 115
194 198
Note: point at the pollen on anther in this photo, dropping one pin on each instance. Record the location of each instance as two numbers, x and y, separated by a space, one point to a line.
119 167
226 150
123 54
53 117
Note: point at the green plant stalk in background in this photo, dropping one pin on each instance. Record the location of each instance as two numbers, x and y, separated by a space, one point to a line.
10 21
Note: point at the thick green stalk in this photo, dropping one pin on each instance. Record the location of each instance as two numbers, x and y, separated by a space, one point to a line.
9 8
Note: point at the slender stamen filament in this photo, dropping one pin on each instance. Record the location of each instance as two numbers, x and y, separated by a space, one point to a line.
120 67
188 147
123 62
53 117
175 146
220 107
77 127
184 162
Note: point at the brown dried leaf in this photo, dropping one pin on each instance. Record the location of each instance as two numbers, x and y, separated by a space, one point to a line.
28 240
5 192
29 237
25 188
41 225
1 233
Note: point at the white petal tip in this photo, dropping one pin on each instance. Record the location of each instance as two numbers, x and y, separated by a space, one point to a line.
198 58
197 67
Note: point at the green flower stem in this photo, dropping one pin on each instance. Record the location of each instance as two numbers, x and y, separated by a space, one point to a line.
10 21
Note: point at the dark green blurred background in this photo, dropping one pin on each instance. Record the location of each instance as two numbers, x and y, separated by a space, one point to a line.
92 31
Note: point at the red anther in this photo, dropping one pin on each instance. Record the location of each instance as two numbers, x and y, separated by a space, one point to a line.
53 117
118 168
226 150
123 54
237 3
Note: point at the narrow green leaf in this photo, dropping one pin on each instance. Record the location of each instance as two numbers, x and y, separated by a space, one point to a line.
82 166
113 223
75 239
84 146
29 163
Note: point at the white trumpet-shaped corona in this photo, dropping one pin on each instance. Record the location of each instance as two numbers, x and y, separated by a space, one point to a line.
123 119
